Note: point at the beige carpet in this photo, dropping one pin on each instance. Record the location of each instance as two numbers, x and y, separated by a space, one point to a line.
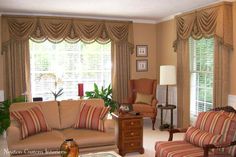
149 140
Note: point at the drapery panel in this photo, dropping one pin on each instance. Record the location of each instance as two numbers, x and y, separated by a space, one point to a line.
121 69
213 21
19 29
17 64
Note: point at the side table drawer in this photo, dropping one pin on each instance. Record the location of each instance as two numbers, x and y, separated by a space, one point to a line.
132 133
134 123
132 144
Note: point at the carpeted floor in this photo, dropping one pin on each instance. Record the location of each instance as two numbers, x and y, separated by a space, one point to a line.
149 140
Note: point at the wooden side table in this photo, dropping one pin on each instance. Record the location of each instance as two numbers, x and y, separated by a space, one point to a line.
168 107
129 133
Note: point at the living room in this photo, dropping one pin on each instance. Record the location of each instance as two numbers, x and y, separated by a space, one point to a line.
157 32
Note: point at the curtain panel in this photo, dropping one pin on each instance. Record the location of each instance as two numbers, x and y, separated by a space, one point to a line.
213 21
19 29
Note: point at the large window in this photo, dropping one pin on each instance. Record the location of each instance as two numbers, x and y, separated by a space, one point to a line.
202 72
64 65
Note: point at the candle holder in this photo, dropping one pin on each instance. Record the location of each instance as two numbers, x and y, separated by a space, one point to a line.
81 90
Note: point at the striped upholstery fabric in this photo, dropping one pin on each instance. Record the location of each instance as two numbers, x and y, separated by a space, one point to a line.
201 138
232 150
217 123
91 117
32 121
177 149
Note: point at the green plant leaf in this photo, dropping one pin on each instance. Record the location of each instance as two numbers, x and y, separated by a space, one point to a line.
103 93
5 114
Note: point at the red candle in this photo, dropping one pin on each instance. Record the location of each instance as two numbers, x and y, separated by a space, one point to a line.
80 89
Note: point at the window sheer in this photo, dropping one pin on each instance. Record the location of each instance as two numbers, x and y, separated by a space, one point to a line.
64 65
202 73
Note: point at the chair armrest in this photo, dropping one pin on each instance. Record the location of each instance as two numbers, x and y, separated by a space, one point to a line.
128 100
206 148
13 133
177 130
154 102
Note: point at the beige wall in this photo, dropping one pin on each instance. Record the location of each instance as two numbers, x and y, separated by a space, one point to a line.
233 56
1 56
166 35
145 34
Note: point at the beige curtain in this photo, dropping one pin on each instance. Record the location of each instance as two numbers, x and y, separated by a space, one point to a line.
17 68
183 83
214 21
221 73
120 70
19 29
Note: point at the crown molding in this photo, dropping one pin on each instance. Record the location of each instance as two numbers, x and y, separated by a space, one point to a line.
79 16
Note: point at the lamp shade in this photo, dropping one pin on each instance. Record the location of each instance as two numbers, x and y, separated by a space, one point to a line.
167 75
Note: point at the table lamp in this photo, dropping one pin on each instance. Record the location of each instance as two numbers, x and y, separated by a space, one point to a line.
167 77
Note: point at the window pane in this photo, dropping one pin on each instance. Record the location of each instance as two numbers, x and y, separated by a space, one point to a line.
64 65
201 69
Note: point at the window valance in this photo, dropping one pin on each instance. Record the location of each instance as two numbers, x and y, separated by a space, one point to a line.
69 29
207 22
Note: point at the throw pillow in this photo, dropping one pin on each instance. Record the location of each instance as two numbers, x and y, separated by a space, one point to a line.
31 120
91 117
201 138
143 98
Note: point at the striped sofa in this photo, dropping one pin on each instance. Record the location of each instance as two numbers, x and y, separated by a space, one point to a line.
213 134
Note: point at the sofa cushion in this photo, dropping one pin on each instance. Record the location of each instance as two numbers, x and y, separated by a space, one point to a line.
201 138
48 107
69 110
46 140
91 117
32 121
143 98
89 138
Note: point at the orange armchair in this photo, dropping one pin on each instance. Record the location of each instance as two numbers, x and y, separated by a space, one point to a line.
146 87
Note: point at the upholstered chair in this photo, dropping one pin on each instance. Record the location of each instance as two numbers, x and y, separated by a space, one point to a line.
142 96
212 135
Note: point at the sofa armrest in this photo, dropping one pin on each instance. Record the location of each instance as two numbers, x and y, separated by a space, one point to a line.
206 148
13 133
109 125
177 130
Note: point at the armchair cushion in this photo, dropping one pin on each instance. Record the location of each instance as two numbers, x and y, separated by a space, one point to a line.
143 98
177 149
218 123
201 138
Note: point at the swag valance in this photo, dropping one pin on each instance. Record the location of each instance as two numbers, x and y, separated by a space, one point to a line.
71 30
207 22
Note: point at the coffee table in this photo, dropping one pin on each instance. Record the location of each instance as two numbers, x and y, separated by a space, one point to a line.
101 154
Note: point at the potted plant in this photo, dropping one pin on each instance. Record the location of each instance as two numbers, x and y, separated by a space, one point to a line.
103 93
5 113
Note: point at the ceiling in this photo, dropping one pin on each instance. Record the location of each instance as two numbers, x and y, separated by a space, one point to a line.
135 10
